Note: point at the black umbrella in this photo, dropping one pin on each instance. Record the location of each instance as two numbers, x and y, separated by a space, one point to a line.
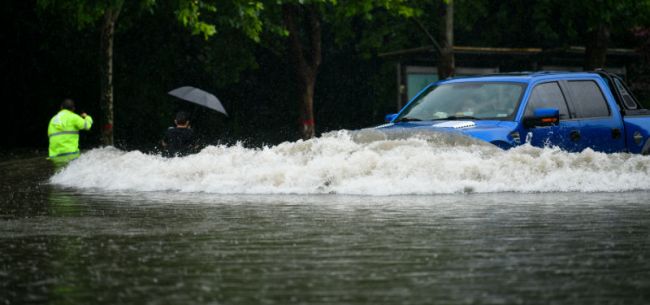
198 96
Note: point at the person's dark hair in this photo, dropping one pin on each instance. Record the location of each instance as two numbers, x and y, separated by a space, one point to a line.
182 118
68 104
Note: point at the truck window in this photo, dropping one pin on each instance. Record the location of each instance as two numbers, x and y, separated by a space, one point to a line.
588 100
547 95
628 100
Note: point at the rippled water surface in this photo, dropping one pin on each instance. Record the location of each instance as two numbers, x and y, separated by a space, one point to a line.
95 243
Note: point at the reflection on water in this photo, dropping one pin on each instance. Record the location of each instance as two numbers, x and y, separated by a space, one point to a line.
66 246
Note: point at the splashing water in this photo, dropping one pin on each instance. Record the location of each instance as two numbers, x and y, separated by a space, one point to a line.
366 162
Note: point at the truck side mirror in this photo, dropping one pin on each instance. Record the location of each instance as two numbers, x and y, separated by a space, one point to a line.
542 117
389 117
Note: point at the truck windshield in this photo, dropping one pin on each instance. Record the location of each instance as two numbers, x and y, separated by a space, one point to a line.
475 100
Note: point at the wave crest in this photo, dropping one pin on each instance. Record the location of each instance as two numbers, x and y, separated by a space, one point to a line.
361 163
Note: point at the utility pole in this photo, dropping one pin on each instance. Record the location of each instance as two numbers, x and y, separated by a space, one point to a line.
446 65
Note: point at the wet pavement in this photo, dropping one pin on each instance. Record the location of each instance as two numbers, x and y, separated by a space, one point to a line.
90 246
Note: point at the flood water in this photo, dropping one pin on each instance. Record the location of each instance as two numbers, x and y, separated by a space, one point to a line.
342 235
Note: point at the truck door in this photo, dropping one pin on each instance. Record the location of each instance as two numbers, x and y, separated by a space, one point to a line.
601 127
550 95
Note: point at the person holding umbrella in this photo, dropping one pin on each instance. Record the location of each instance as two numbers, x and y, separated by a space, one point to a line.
179 141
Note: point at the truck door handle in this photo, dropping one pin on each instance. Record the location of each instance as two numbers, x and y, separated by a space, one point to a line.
616 133
575 135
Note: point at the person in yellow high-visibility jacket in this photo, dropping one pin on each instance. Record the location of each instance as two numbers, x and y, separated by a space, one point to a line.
63 132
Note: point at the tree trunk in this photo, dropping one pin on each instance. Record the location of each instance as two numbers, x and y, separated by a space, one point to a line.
106 73
446 65
596 47
305 62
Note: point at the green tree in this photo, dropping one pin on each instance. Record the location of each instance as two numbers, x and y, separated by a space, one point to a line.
85 13
301 24
297 21
589 22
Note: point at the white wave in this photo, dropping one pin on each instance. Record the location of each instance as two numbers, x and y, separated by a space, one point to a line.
361 163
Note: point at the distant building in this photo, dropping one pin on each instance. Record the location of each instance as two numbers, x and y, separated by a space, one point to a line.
416 67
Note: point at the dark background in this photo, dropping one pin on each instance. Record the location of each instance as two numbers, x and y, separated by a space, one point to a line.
46 59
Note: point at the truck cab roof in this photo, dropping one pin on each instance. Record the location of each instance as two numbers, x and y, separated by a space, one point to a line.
524 77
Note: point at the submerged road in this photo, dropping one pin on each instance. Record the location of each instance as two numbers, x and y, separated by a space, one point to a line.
92 246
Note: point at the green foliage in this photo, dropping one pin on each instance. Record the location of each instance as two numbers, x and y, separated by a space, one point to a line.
189 13
367 8
82 13
200 17
559 22
249 14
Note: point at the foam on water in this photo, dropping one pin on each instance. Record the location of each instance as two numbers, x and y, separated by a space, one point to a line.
364 163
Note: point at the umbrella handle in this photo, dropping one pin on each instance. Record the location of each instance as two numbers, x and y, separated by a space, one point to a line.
192 116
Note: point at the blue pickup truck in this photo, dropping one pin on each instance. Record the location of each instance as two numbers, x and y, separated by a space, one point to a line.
570 110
